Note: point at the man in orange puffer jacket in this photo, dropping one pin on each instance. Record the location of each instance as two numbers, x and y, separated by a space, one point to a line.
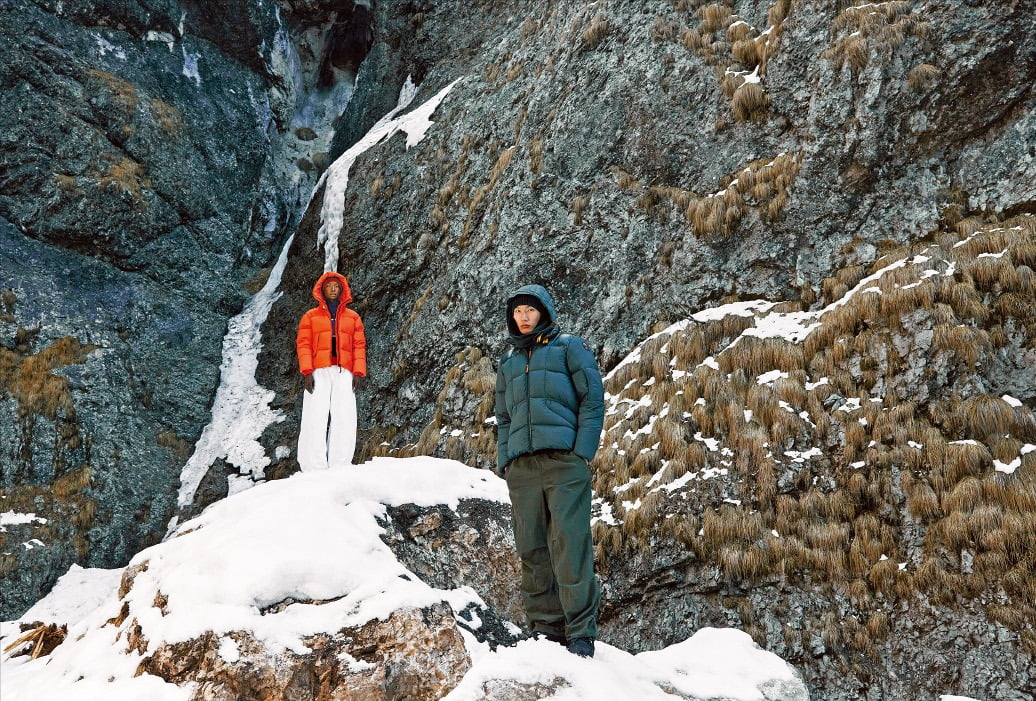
332 354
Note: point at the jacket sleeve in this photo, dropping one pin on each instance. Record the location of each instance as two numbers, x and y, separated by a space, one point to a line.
503 421
586 378
359 348
304 344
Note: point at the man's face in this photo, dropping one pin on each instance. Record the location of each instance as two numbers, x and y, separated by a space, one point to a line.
332 289
526 317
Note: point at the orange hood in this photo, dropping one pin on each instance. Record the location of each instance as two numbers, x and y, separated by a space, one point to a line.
318 288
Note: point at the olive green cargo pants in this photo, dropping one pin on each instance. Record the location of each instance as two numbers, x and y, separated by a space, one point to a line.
550 506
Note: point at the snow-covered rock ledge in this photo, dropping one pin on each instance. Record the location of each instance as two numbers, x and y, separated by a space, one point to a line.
298 589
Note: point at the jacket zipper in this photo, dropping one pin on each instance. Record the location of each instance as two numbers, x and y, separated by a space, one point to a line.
528 394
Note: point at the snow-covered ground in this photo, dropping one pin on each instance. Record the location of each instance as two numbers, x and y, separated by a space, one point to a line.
315 536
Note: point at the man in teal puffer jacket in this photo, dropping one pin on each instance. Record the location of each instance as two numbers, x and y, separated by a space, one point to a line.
549 413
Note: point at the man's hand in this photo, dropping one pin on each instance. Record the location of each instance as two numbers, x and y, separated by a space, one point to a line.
308 382
357 379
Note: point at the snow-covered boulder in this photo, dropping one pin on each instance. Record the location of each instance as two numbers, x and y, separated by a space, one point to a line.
298 589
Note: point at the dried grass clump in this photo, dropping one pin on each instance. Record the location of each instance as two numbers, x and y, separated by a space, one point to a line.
578 205
39 641
922 501
72 482
762 185
465 403
984 416
167 117
123 175
922 77
746 564
965 342
596 31
502 161
749 102
759 355
122 92
715 17
730 525
663 29
872 27
536 155
624 180
30 378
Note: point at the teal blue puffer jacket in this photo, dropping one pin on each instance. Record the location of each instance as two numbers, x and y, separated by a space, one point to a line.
550 396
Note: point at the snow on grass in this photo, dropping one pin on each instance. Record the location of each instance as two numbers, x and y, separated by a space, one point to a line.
719 313
803 456
772 376
1007 468
711 443
13 518
336 177
606 514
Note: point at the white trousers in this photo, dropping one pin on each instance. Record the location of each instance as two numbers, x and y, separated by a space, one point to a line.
321 446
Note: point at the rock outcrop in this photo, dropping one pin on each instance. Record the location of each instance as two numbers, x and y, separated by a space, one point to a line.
280 614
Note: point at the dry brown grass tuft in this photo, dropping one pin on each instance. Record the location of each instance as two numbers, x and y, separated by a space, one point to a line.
167 117
578 205
596 31
730 525
746 50
31 381
624 180
746 564
122 92
749 102
663 29
536 155
759 355
123 175
922 501
715 17
72 482
965 342
985 416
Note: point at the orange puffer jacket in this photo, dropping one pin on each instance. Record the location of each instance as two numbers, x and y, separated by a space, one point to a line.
313 342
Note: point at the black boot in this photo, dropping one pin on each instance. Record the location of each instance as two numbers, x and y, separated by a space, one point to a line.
584 647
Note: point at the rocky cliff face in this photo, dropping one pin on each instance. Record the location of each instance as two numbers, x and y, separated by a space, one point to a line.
153 156
644 161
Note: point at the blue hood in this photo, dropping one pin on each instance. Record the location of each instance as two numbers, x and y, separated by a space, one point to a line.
540 293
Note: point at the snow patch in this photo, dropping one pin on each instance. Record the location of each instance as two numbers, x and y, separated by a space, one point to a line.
241 410
336 178
190 66
105 47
